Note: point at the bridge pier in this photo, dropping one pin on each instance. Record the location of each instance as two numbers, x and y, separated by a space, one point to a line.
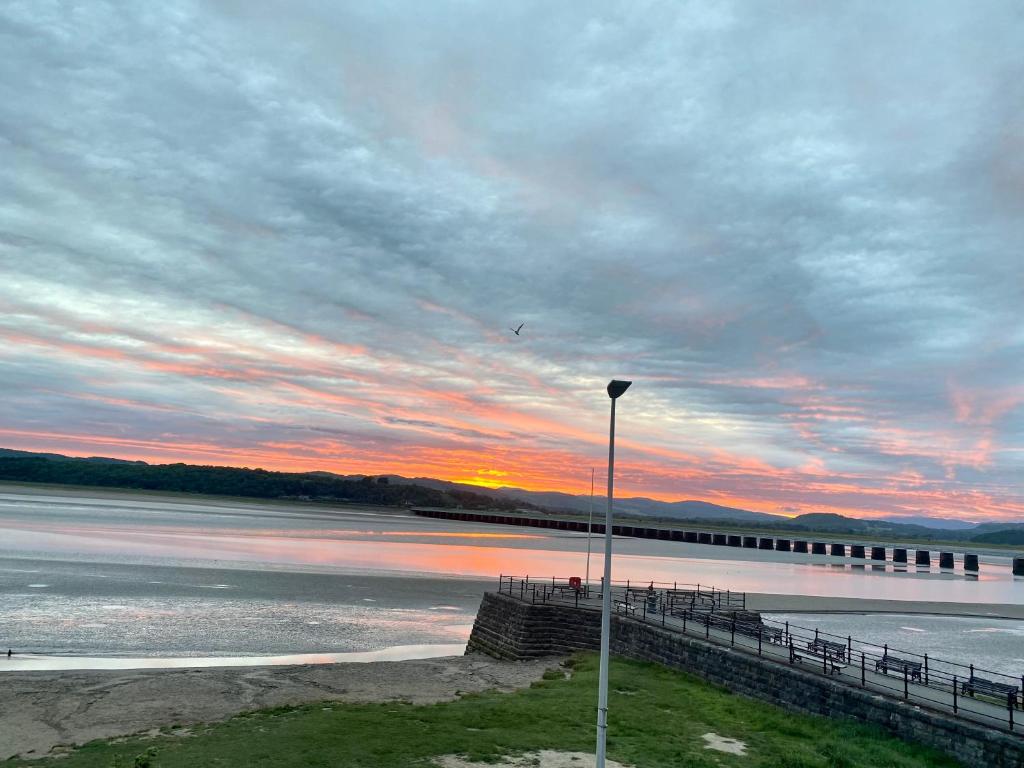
782 545
800 546
923 557
946 560
857 550
818 548
899 556
838 550
970 563
878 553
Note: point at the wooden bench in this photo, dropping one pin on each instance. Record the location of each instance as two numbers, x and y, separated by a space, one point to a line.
829 648
832 663
912 669
973 685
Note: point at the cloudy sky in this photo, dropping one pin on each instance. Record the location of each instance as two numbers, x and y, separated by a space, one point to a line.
295 235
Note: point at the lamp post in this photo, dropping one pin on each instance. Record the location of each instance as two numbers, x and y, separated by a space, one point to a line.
615 390
590 527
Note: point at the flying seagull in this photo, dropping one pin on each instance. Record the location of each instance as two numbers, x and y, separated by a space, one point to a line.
517 330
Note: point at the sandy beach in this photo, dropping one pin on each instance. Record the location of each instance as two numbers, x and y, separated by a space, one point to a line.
42 710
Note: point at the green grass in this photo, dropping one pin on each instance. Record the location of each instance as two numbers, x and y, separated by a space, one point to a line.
657 718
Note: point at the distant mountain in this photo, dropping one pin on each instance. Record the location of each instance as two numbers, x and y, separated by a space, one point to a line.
942 523
11 453
986 528
917 527
1014 535
428 491
234 481
566 502
833 523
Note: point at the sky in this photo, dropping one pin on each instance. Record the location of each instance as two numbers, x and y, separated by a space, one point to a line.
296 235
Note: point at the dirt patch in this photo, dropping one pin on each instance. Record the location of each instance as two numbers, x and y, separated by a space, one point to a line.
546 758
722 744
41 710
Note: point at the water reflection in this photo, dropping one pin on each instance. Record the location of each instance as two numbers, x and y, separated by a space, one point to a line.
382 542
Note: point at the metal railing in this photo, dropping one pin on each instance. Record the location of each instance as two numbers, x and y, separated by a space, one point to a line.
967 691
556 588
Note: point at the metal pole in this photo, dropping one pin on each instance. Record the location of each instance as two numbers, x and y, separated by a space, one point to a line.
606 605
590 526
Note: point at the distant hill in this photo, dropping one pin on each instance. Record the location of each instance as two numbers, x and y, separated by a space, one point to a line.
396 490
637 506
943 523
833 523
234 481
1006 536
12 453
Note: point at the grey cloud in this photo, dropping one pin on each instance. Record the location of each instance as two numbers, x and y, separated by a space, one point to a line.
705 198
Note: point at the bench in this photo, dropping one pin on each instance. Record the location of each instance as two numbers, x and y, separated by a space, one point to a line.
829 648
753 629
690 597
701 617
999 690
834 665
562 589
773 635
625 606
912 669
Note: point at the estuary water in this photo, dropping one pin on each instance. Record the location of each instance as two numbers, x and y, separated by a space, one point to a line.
95 574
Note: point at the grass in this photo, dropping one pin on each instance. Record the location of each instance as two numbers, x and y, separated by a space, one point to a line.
657 719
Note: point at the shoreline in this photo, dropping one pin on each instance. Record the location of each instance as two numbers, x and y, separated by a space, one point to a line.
48 662
42 710
777 603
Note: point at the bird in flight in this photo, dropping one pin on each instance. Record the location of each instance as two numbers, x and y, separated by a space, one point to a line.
517 330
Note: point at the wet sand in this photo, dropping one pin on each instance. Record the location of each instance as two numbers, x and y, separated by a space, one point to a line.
41 710
765 603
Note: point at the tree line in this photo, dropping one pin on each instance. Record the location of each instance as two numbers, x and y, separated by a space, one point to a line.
233 481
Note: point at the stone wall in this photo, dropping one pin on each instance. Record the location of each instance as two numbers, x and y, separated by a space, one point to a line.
513 629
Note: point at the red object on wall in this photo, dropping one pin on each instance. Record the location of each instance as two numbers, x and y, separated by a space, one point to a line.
575 582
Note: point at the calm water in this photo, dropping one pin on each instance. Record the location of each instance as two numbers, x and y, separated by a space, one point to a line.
107 574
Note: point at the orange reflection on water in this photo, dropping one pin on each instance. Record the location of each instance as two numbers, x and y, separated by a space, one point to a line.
449 534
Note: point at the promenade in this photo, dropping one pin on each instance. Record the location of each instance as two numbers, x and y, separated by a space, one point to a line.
727 618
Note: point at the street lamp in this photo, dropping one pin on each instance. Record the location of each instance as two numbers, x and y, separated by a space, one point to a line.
590 529
615 390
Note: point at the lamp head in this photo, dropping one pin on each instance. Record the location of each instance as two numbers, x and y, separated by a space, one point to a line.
616 388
